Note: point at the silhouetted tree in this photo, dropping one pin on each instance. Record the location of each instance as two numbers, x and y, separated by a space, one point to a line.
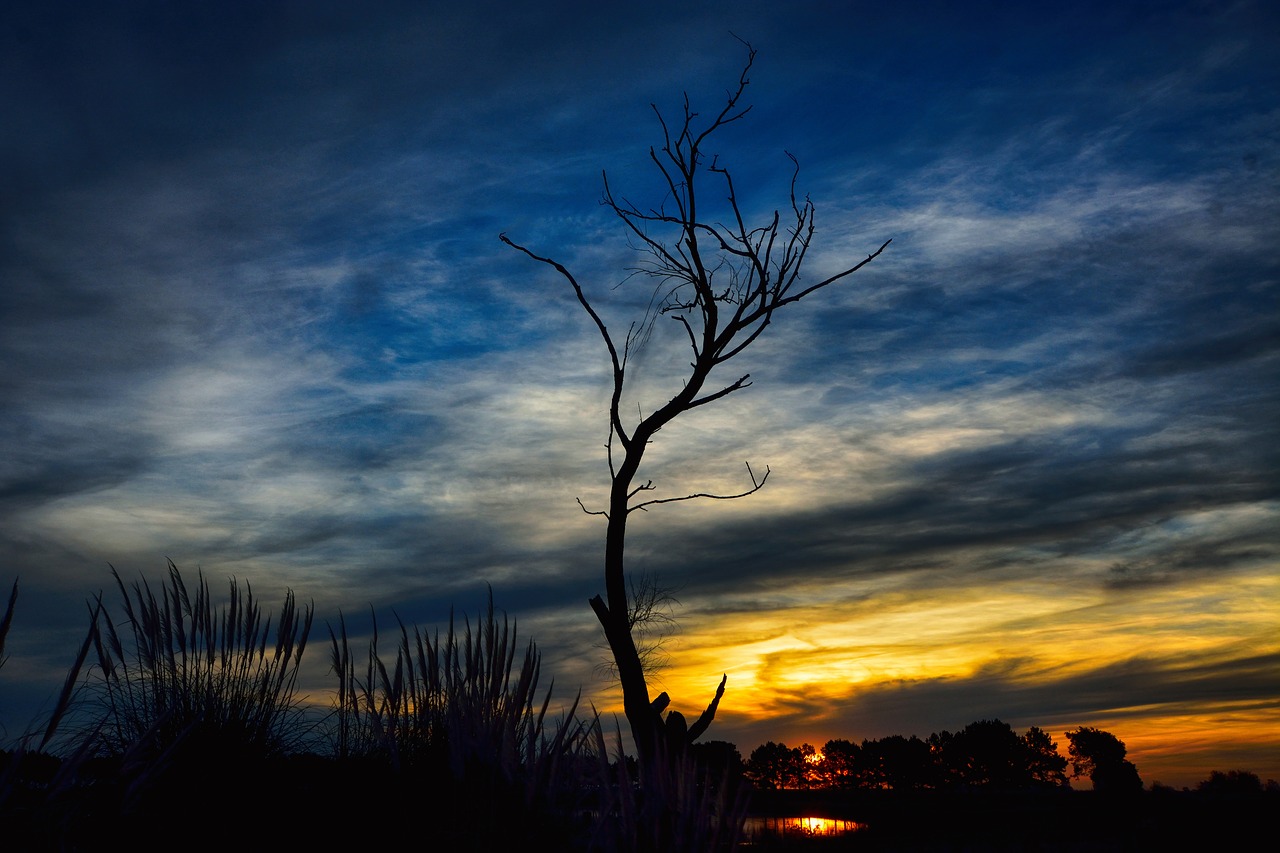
1045 765
946 769
1231 783
810 775
1101 756
774 766
989 753
841 765
899 763
719 758
986 753
722 281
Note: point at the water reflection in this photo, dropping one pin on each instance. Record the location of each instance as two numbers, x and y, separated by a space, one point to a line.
782 827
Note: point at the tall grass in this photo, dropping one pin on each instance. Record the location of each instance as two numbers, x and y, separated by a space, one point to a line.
463 709
179 670
193 716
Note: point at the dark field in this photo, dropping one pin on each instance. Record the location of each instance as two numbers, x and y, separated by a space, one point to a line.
1022 821
310 802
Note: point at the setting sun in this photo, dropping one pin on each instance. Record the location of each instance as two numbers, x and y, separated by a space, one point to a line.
886 391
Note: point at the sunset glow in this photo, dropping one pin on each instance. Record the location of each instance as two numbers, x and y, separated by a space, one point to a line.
256 318
800 826
849 672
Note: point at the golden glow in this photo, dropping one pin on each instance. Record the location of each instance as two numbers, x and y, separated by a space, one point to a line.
1180 747
815 649
785 826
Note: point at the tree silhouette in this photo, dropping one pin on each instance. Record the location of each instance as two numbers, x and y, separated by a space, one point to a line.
1045 765
1101 756
774 766
1231 783
986 753
722 281
899 763
989 753
841 764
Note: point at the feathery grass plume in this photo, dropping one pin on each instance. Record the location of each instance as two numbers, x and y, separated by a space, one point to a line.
178 669
460 707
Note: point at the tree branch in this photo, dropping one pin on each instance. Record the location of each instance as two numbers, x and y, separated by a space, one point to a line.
591 511
704 720
618 363
728 389
756 485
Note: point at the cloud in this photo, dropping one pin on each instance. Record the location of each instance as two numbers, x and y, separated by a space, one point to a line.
1003 691
257 318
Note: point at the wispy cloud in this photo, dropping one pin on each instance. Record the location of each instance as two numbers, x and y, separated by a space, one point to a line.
256 318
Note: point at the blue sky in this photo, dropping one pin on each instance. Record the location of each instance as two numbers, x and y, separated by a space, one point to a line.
255 317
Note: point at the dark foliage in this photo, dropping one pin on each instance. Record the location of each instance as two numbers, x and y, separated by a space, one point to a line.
986 754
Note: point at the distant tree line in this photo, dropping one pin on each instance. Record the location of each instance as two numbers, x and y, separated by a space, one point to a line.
987 754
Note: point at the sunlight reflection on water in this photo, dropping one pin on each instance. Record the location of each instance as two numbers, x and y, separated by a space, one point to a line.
758 827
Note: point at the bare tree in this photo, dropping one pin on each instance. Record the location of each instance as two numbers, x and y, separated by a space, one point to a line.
722 282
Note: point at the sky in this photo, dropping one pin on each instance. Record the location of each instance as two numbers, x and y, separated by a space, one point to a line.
255 318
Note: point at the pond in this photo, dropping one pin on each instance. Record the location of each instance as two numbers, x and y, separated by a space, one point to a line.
756 828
